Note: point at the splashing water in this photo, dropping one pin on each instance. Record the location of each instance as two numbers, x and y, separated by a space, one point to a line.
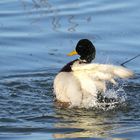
112 98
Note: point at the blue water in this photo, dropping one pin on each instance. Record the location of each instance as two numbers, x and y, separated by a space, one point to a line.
35 36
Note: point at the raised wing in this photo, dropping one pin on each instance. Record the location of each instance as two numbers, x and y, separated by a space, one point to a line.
98 74
103 71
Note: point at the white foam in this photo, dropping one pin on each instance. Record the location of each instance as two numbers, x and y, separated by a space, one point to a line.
118 95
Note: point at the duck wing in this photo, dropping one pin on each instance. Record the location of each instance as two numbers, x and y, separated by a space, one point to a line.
97 75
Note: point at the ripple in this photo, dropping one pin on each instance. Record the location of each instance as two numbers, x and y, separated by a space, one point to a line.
28 101
35 36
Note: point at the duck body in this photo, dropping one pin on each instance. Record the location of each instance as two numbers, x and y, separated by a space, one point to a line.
79 82
68 88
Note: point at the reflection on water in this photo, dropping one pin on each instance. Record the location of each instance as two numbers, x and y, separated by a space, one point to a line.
59 20
87 124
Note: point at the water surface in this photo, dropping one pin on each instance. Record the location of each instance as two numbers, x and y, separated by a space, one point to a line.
35 36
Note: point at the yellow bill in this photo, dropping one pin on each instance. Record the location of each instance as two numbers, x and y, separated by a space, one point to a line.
72 53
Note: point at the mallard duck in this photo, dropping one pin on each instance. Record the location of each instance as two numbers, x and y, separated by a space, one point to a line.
79 82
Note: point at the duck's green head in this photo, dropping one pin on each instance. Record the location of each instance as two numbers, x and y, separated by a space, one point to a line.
85 49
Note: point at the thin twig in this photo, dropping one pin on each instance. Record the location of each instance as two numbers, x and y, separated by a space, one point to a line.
122 64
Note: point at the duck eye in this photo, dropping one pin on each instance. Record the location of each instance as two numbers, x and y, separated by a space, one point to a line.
80 46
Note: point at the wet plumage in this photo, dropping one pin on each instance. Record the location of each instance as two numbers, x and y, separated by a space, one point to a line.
79 82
